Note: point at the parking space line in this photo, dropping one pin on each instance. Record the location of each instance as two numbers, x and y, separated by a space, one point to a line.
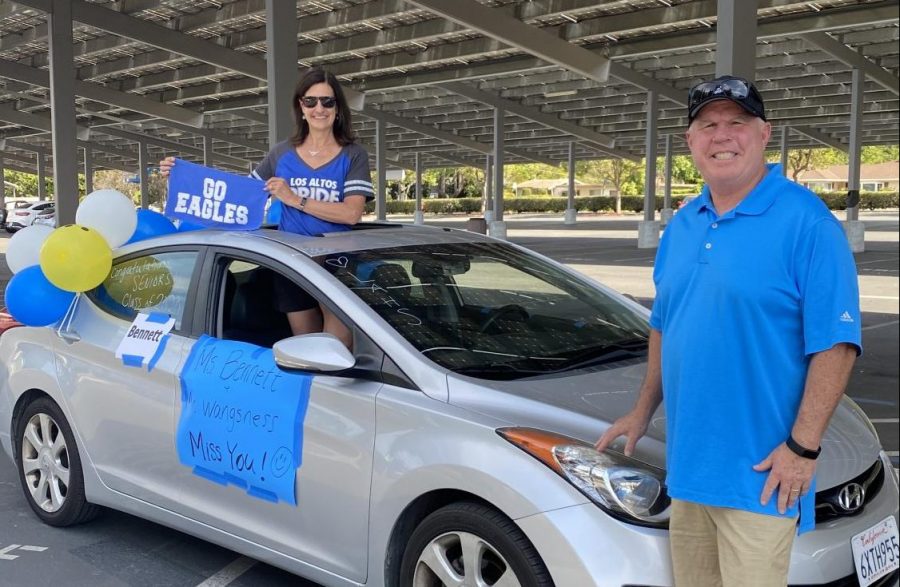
884 420
229 573
883 324
33 548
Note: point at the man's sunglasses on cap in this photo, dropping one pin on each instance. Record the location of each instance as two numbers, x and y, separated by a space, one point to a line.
735 89
325 101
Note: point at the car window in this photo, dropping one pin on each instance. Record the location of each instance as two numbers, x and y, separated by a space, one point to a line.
247 308
150 283
491 310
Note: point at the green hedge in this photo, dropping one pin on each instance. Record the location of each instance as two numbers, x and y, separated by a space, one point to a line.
867 200
834 200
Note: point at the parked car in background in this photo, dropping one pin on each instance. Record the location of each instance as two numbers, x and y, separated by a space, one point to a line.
10 205
454 445
19 218
46 216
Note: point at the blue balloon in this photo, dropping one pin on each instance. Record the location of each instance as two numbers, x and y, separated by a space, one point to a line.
150 224
185 226
33 300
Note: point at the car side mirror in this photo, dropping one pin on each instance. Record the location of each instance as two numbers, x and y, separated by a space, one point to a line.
317 352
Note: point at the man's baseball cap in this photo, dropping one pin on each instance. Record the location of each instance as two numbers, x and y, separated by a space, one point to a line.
726 87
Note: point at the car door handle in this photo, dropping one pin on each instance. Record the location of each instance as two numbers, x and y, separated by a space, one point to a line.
69 335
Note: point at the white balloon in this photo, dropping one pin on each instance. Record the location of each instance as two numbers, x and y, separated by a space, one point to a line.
25 246
109 212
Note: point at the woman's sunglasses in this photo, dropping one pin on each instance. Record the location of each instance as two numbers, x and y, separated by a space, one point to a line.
325 101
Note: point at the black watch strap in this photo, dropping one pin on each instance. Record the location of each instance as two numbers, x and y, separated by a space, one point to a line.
802 451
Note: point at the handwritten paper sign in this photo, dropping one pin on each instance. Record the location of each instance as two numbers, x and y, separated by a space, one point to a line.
242 418
140 283
145 339
212 198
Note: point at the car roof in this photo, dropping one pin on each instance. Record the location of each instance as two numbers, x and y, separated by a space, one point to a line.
363 236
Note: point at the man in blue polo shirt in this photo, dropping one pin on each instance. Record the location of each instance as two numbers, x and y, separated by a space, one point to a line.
754 331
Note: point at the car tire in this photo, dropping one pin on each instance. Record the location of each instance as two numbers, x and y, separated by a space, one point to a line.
436 553
50 467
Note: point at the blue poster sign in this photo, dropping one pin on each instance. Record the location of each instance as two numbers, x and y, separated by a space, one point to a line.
242 418
215 199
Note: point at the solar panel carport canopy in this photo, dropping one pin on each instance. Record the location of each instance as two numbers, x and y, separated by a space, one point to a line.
177 73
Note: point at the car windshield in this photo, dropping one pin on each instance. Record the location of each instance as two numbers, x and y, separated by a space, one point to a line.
491 311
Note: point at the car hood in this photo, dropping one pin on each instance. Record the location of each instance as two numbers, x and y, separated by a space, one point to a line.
583 405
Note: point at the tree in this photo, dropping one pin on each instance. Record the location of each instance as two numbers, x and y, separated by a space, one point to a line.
119 180
684 170
520 172
624 175
800 160
880 153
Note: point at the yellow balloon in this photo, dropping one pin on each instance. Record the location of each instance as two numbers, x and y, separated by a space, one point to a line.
75 258
139 283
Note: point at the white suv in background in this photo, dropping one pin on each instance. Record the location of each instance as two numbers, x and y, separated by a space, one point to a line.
21 217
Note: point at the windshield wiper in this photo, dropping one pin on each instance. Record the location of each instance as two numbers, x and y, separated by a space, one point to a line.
605 353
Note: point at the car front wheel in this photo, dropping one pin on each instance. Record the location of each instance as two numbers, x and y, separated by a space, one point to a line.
471 544
49 466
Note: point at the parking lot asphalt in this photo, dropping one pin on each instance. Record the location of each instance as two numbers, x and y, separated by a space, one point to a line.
119 550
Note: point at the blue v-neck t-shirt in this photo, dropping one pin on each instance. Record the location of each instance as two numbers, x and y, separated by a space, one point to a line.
345 175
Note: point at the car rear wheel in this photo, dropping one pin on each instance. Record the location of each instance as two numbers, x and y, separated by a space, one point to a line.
49 466
471 544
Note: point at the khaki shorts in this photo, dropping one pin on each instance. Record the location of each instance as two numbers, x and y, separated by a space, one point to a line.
723 547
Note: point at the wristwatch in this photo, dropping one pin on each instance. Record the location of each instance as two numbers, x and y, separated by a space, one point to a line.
302 203
800 450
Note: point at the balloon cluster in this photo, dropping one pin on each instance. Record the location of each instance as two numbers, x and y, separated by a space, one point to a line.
51 265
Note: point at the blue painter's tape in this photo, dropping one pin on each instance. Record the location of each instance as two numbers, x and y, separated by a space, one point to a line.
210 475
235 480
159 351
132 360
158 317
263 494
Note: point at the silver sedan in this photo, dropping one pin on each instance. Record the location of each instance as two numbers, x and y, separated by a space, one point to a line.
450 445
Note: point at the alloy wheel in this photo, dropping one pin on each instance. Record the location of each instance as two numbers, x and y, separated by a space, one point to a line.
458 559
45 462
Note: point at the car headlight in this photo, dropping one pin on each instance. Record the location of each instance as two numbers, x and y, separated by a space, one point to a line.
624 487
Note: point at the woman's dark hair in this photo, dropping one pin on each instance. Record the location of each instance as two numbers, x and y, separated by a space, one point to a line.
343 131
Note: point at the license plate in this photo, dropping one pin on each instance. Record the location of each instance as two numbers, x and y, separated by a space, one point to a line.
876 551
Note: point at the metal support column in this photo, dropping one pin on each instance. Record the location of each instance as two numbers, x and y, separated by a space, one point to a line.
666 214
143 162
88 170
207 151
419 216
62 110
571 213
736 38
381 171
281 67
855 230
497 227
488 199
648 229
41 157
785 132
2 182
